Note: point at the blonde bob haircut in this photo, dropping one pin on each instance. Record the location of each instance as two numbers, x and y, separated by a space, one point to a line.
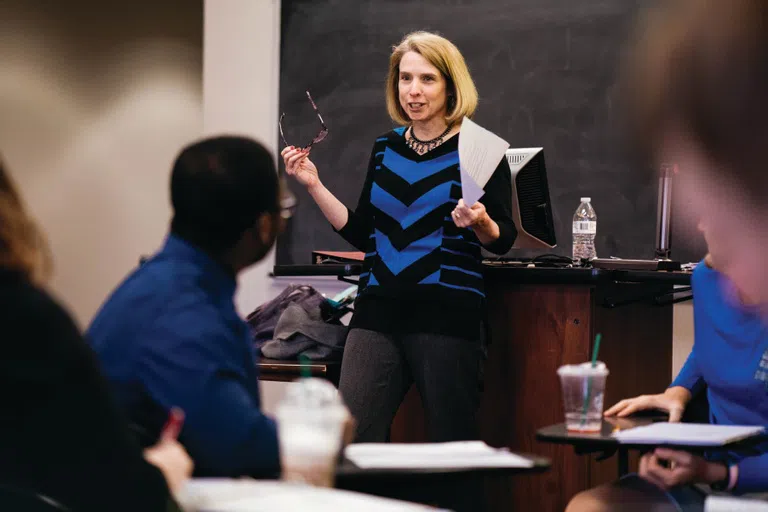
22 246
443 54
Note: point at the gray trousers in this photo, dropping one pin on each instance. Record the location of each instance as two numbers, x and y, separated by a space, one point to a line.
378 370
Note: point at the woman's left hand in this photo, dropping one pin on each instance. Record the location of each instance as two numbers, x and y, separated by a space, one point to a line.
467 216
684 468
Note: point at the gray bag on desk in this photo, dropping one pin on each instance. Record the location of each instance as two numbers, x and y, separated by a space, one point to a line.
263 320
299 331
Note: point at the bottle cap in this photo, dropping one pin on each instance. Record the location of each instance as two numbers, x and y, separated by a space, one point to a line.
586 199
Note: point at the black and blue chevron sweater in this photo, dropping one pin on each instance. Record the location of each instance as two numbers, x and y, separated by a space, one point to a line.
421 273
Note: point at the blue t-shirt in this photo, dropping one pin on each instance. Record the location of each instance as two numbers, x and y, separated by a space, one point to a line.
730 358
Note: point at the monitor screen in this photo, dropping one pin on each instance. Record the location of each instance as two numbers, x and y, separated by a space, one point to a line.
531 206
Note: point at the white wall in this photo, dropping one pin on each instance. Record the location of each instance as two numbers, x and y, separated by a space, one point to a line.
241 71
682 335
240 93
95 99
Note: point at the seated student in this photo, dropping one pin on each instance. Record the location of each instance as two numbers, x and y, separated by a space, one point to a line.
170 335
61 434
730 358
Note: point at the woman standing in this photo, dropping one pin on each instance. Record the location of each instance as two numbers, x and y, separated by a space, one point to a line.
420 308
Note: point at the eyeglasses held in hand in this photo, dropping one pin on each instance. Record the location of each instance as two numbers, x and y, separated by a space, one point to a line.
318 138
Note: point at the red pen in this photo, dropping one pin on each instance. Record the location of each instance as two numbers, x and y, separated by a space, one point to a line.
173 426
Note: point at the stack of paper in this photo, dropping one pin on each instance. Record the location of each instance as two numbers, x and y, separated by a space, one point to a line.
456 455
229 495
480 152
687 434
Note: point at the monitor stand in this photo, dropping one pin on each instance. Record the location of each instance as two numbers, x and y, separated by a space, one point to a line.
663 232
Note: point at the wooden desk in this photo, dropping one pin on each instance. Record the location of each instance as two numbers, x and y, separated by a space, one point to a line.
540 319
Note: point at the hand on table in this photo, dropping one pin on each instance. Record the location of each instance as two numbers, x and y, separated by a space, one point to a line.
672 401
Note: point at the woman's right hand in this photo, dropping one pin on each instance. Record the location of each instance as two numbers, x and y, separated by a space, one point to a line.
172 460
298 164
672 401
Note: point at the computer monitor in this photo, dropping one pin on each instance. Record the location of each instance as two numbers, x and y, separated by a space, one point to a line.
531 206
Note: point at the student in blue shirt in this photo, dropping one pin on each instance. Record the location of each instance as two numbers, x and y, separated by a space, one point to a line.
696 82
169 335
729 358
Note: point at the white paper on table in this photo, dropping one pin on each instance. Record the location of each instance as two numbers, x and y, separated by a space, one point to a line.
687 434
453 455
246 495
731 504
480 152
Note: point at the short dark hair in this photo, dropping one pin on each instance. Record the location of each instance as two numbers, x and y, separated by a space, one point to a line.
700 67
219 187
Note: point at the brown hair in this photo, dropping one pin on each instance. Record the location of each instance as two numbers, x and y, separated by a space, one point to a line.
444 55
22 246
699 69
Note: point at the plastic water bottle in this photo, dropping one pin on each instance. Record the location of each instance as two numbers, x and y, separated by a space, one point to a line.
584 231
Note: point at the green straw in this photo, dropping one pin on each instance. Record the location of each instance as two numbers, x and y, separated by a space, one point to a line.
595 351
305 371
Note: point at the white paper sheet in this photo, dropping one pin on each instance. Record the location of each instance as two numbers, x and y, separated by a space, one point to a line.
480 152
245 495
730 504
687 434
455 455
